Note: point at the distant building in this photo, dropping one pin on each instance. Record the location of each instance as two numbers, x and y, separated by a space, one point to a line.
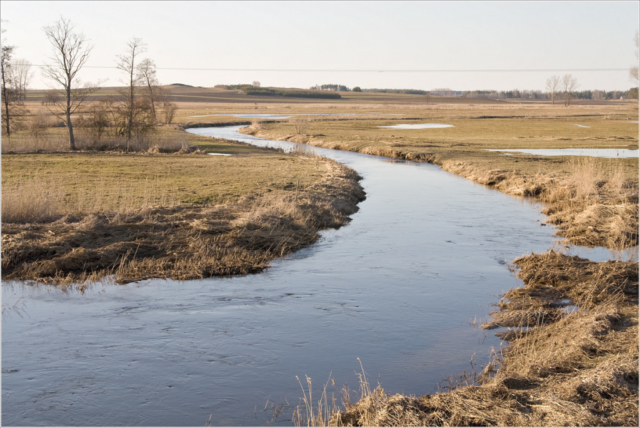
256 84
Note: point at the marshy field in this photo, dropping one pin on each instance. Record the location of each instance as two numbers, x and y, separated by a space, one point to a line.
389 237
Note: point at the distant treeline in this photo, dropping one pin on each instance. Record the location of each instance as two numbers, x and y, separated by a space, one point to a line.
278 92
330 87
330 91
396 91
342 88
596 95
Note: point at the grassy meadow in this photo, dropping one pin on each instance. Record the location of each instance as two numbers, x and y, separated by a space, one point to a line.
72 217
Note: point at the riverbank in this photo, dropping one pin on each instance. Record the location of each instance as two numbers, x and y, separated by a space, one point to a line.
81 217
572 358
593 202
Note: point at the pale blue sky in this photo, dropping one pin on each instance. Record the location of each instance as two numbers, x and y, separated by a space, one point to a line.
346 35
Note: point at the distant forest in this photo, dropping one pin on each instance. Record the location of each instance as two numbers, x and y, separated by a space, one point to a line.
488 94
330 90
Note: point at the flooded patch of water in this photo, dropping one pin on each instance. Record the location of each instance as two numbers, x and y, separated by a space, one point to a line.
247 116
276 116
581 126
219 154
600 153
417 126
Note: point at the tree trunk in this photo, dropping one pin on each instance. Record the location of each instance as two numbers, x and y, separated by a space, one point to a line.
6 104
6 113
130 124
72 140
153 102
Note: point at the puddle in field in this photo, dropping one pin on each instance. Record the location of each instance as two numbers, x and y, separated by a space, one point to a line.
599 153
582 126
247 116
275 116
417 126
219 154
398 288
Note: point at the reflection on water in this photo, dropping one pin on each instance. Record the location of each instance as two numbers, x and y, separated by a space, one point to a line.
398 288
599 153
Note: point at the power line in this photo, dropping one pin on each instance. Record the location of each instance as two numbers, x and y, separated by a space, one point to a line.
305 70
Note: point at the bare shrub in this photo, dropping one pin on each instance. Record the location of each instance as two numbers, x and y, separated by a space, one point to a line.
169 112
300 125
39 125
95 122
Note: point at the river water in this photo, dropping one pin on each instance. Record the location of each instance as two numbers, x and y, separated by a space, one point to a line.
398 288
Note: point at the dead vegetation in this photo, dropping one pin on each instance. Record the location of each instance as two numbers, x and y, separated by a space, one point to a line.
593 204
562 367
180 241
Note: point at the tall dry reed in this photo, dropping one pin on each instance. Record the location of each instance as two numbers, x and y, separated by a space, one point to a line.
36 198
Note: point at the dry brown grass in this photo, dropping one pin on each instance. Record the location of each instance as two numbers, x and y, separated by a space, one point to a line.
578 369
595 203
45 198
186 241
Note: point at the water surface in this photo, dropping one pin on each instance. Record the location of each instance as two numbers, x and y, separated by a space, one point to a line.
600 153
398 287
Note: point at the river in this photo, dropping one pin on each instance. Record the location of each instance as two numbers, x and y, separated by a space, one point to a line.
398 287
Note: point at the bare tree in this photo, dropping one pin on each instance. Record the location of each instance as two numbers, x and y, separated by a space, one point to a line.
569 85
634 70
552 86
147 74
22 74
127 63
70 53
8 89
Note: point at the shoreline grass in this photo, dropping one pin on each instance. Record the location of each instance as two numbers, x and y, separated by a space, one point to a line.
562 367
78 217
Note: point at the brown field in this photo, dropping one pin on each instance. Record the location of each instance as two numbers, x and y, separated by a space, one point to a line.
593 201
189 94
73 217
